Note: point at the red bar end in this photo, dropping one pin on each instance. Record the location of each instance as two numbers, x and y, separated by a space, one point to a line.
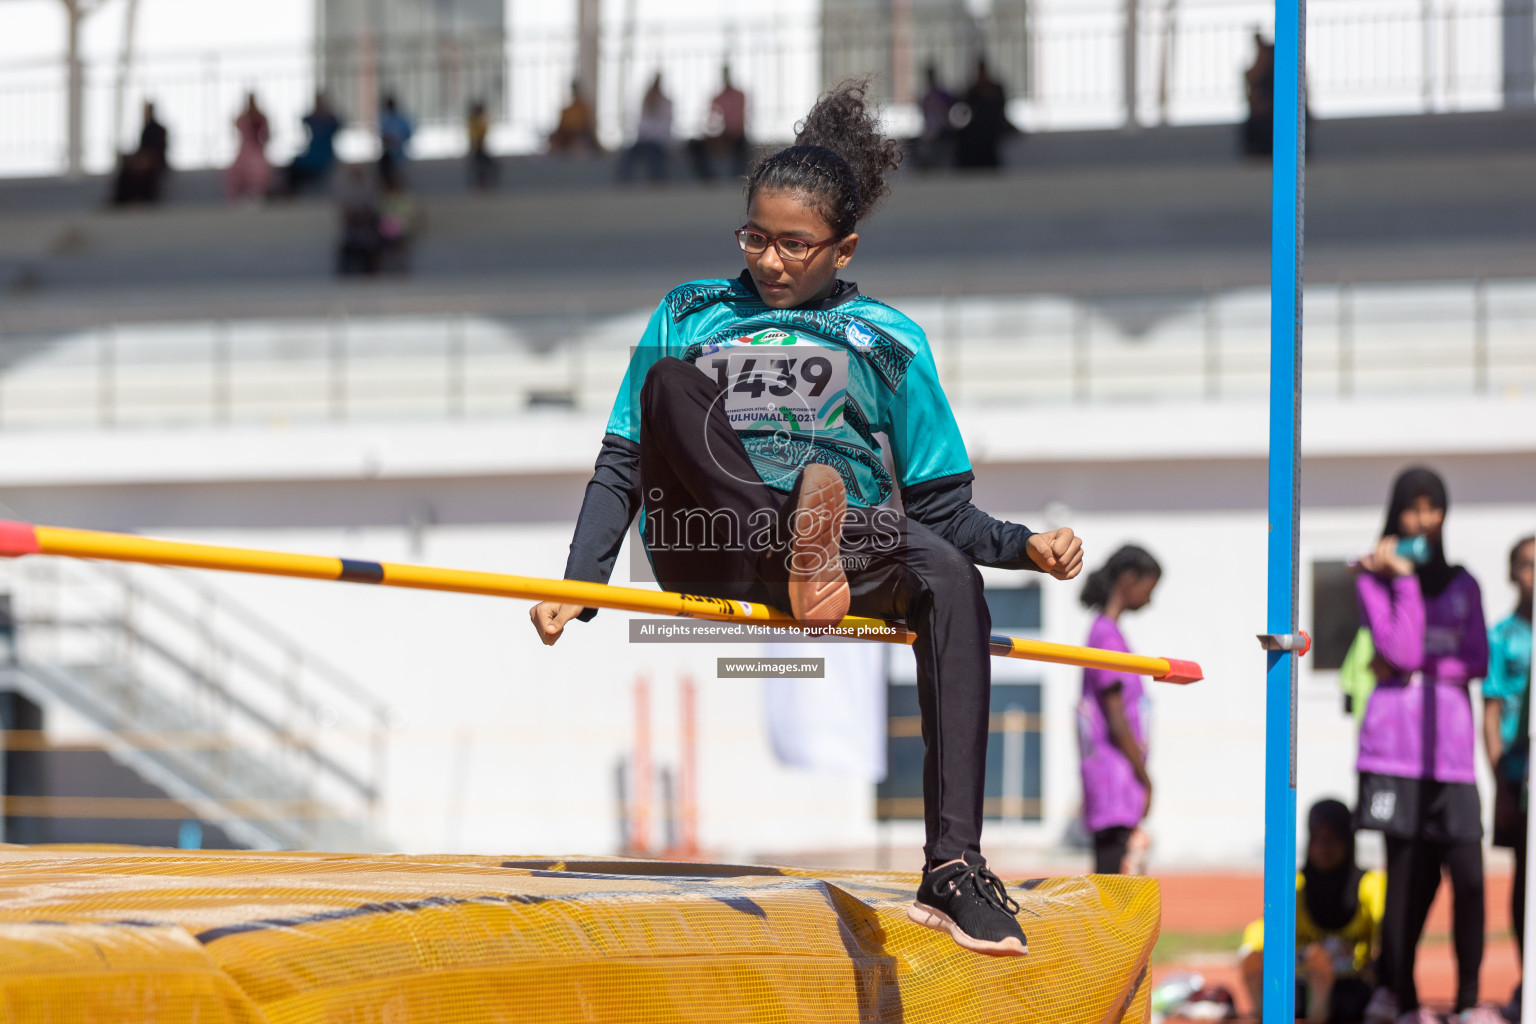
17 539
1181 672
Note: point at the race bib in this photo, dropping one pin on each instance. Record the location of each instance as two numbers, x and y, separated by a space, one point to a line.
772 380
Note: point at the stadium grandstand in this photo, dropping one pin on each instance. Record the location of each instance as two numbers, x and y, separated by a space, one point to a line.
1098 310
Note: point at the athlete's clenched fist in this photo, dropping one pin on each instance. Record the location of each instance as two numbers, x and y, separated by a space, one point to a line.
550 617
1059 552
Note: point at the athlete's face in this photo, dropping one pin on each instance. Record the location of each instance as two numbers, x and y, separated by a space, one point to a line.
783 283
1136 590
1325 850
1523 571
1422 518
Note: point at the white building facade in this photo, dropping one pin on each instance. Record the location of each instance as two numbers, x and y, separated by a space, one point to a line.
499 744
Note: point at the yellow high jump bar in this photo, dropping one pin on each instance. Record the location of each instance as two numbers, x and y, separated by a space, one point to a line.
18 539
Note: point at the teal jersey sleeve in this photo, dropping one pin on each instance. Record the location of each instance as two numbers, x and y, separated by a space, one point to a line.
624 420
1508 659
1498 682
925 439
1509 677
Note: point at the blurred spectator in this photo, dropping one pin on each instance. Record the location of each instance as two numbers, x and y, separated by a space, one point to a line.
1357 677
1258 131
399 220
483 171
1507 728
360 245
313 167
395 130
141 174
981 121
1338 925
726 134
1418 743
8 628
933 146
250 176
576 134
1259 86
1113 716
653 137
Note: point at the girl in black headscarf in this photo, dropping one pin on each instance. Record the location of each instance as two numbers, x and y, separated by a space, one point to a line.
1421 493
1338 924
1418 744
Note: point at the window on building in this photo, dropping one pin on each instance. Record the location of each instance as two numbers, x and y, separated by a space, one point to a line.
1335 615
1013 785
1014 781
1014 608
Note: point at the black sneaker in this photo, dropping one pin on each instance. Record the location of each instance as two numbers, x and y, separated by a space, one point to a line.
972 905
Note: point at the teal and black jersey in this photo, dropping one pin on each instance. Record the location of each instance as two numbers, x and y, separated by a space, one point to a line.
811 384
808 386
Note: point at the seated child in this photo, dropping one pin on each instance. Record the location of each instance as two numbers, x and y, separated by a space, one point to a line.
1338 925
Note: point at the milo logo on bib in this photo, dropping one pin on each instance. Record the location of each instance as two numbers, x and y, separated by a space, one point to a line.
770 336
774 380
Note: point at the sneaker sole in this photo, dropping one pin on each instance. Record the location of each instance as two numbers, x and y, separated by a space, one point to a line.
819 597
928 917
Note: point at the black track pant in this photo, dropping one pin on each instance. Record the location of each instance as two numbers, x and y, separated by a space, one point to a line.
1413 876
714 528
1109 846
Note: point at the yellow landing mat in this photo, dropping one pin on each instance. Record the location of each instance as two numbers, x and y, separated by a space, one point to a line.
98 934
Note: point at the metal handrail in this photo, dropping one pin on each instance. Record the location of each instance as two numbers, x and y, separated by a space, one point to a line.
119 633
232 608
1064 62
1040 347
287 738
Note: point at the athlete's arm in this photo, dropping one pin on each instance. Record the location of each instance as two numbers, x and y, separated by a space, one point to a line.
609 506
1393 610
1112 702
944 506
607 509
928 454
1493 738
1499 684
613 494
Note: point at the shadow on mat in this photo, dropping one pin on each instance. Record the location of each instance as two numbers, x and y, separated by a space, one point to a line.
663 868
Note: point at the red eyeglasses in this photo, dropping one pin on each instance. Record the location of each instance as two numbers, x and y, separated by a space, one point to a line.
756 243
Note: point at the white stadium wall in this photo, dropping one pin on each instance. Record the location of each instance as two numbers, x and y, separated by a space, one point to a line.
502 745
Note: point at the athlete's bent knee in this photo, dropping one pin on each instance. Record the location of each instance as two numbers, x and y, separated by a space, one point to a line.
950 576
669 373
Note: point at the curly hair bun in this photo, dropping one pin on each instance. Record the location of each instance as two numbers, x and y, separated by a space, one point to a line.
843 122
839 161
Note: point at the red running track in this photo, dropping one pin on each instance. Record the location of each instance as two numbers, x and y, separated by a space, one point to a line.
1224 903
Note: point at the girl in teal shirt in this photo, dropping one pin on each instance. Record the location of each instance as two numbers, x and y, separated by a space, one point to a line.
751 435
1506 723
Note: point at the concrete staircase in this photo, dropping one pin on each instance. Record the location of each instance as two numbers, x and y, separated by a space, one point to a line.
204 701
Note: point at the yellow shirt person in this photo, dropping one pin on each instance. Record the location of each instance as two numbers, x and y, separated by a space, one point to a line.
1338 924
1352 947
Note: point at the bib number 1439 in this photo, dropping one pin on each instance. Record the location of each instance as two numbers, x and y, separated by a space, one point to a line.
796 387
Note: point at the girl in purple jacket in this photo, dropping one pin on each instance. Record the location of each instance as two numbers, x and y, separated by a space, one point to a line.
1112 715
1417 743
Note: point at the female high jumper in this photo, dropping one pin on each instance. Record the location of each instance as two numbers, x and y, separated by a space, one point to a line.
746 436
